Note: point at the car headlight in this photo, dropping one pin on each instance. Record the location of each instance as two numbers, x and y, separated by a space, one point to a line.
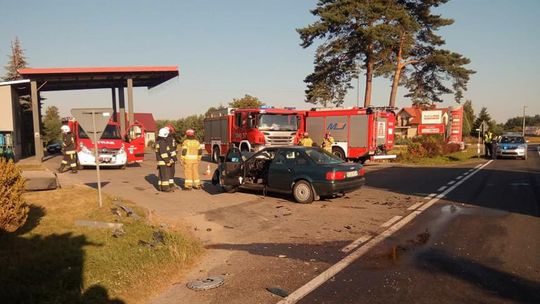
122 150
522 147
85 149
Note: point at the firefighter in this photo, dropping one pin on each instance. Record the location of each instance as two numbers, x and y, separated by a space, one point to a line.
164 161
488 144
328 141
172 146
306 141
191 157
68 150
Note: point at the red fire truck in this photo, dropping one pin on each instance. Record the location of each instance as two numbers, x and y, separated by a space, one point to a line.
359 133
114 149
250 129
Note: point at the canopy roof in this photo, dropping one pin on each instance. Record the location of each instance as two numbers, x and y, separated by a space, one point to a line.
57 79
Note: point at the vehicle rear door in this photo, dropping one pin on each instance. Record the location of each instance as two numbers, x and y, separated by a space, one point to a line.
135 144
282 170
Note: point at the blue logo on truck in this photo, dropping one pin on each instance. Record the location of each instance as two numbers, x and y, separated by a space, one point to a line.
336 126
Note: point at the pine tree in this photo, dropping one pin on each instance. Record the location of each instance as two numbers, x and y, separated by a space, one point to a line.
483 116
51 124
17 61
468 118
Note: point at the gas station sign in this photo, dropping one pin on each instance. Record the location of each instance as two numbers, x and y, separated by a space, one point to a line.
456 124
431 129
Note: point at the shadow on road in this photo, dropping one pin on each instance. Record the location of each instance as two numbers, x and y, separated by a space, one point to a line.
503 284
45 269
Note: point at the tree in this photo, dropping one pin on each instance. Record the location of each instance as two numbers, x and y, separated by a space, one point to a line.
51 124
483 116
419 59
516 123
246 102
17 60
468 118
356 35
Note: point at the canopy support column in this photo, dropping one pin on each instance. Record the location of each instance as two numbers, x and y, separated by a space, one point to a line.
36 119
130 101
122 106
113 91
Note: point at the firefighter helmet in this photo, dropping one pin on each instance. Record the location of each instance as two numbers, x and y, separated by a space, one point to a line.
163 132
65 129
306 134
190 132
171 128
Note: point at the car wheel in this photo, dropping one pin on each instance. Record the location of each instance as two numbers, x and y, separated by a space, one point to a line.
226 188
215 155
303 192
338 152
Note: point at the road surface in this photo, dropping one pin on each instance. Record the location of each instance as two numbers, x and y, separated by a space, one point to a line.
478 244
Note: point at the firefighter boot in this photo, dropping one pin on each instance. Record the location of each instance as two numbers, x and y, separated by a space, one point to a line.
61 168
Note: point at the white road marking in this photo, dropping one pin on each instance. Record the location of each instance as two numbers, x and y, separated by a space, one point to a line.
413 207
450 182
478 166
441 188
301 292
430 196
461 176
391 221
356 243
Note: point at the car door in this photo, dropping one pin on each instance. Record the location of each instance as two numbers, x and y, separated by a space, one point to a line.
135 144
282 170
231 168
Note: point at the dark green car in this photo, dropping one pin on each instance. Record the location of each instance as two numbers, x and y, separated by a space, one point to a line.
305 172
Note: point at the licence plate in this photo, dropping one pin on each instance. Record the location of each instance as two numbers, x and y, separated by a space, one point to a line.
104 159
352 173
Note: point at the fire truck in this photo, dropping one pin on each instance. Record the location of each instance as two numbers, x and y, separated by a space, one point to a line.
250 129
114 149
359 133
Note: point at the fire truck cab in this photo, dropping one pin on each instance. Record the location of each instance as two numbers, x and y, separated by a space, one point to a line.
250 129
359 133
114 149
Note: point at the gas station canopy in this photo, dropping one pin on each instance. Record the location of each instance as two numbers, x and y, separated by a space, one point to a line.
57 79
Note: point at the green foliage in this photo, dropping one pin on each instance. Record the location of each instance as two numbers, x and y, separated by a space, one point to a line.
429 147
17 60
516 123
246 102
13 210
51 124
195 122
468 118
484 116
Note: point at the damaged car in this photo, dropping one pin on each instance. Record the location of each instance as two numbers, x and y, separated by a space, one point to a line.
307 173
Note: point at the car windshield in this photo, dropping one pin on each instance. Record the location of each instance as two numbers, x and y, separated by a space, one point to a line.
323 157
111 132
278 122
512 140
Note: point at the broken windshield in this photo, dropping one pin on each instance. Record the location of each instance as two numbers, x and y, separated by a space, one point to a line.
278 122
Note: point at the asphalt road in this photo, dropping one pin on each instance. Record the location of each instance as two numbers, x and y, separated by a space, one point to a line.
478 244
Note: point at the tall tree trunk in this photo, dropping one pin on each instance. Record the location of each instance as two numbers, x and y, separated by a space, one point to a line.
395 84
369 78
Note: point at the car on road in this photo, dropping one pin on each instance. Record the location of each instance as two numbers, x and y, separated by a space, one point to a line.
511 145
307 173
54 147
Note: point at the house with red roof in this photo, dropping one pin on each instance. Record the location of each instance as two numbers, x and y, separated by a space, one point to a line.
409 118
149 123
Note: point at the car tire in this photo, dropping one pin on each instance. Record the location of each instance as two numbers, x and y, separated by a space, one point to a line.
337 151
303 192
216 155
225 188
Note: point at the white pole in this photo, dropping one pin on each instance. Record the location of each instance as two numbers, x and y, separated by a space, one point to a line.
523 131
97 158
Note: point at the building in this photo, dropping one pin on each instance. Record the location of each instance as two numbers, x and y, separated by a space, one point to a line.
410 119
532 131
12 114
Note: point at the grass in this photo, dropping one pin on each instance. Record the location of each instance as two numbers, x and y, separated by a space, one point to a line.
467 155
533 139
50 260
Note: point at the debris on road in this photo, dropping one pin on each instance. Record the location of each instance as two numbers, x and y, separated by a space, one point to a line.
208 229
277 291
118 232
205 284
97 224
129 212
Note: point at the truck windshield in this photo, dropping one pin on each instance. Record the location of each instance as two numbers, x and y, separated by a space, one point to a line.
111 132
278 122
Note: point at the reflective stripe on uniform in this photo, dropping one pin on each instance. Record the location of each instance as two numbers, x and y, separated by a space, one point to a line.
173 153
161 163
70 152
64 162
164 155
189 181
165 183
190 157
73 165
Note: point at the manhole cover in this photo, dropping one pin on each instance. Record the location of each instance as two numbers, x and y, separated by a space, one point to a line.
205 284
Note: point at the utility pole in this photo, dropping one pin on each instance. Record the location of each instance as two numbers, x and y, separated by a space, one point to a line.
523 131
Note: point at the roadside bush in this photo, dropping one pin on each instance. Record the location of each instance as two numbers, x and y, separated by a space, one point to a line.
402 141
451 148
13 211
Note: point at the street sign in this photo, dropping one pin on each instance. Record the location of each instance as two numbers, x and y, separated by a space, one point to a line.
94 121
84 118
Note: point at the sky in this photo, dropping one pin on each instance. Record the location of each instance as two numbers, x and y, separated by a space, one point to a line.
226 49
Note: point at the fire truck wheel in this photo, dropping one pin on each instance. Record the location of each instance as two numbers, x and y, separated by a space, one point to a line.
337 151
216 155
303 192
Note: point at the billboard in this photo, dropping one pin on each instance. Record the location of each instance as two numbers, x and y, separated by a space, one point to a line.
456 124
431 129
432 117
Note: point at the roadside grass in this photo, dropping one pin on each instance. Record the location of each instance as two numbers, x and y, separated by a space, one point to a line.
50 260
468 155
533 139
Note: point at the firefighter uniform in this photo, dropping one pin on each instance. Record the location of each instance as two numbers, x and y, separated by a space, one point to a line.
69 151
191 157
171 144
327 143
164 162
306 141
